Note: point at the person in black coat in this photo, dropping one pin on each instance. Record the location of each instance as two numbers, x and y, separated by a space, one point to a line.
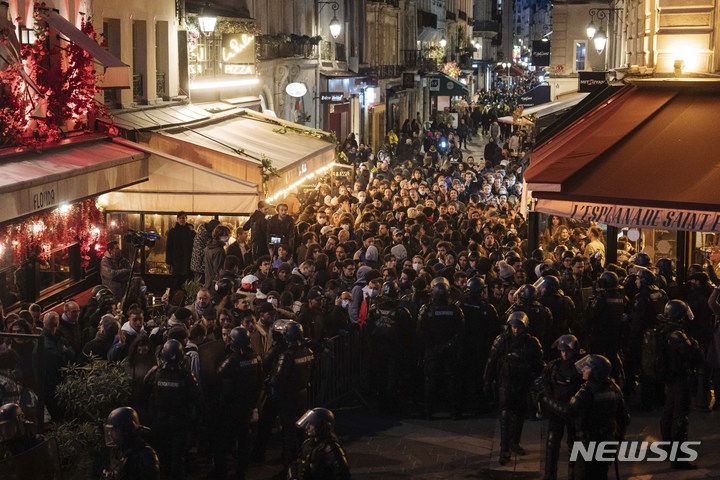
257 224
178 250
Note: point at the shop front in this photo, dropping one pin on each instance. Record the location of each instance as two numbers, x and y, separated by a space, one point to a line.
641 163
442 91
52 234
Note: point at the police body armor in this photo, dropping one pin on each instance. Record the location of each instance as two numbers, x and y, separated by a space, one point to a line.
439 327
563 313
138 461
563 379
293 370
541 321
241 377
482 323
383 321
320 460
604 319
175 394
516 360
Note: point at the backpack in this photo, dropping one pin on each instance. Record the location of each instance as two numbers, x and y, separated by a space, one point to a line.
653 353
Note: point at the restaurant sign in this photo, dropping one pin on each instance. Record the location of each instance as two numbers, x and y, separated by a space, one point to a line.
633 216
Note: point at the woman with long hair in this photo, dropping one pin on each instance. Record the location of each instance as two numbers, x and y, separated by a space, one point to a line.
137 295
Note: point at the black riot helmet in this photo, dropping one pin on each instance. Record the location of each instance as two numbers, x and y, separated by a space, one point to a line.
224 286
599 365
665 267
567 343
518 320
646 277
172 354
293 334
608 281
526 294
440 288
550 283
278 329
238 339
321 420
642 260
390 289
101 292
121 426
476 286
12 422
677 312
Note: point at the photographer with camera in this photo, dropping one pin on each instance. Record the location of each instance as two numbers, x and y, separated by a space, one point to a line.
115 270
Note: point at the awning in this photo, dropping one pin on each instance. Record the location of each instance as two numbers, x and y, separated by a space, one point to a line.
429 34
175 184
538 95
154 118
117 74
40 179
244 139
442 85
553 107
644 158
514 70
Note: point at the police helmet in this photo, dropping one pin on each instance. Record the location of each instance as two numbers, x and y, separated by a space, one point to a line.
122 424
390 289
224 286
518 320
278 329
567 343
476 286
172 354
238 339
642 260
664 267
12 421
321 419
293 334
102 292
608 281
526 294
646 277
440 288
550 283
598 364
677 312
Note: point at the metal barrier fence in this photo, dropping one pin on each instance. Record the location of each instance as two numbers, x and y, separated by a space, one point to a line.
338 372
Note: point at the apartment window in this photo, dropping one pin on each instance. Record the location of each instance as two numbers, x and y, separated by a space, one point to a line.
580 55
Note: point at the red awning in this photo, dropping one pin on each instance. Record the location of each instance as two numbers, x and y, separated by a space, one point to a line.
649 146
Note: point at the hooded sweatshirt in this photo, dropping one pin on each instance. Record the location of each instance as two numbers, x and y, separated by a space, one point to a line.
357 293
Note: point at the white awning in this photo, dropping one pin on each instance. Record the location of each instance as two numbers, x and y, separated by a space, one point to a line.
37 180
295 152
429 34
556 106
175 184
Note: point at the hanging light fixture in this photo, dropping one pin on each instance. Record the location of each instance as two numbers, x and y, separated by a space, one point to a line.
335 27
443 42
600 40
206 21
590 30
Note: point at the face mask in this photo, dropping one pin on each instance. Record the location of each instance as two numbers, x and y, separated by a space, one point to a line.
417 266
345 304
372 293
273 301
224 239
143 289
361 199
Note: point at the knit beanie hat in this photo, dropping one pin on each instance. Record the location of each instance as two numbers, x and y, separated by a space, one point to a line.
505 271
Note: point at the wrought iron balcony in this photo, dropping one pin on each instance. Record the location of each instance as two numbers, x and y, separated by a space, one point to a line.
489 26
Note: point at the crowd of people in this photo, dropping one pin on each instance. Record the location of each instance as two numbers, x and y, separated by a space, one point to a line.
422 253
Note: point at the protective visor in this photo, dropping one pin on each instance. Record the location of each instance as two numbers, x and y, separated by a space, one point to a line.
584 362
111 436
305 419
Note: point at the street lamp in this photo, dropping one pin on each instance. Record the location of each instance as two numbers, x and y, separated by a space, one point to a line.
206 21
598 36
600 40
335 25
443 42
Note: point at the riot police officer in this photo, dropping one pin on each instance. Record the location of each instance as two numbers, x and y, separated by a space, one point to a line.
515 361
14 436
598 411
561 381
682 356
648 303
174 400
539 316
321 456
482 325
439 330
288 386
560 305
138 461
240 377
604 321
390 328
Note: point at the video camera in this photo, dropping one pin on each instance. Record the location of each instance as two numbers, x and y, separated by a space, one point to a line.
141 239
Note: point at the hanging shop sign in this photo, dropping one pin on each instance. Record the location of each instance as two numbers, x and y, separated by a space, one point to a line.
591 81
540 53
632 216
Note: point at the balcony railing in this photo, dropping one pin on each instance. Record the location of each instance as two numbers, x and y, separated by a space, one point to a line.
486 26
284 50
160 84
417 59
138 91
383 71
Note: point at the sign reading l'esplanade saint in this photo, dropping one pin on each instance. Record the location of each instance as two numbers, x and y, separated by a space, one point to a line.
238 53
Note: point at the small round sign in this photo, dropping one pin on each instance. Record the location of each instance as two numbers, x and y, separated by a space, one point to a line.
633 234
296 89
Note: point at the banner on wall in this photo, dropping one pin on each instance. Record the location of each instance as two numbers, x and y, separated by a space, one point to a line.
633 216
